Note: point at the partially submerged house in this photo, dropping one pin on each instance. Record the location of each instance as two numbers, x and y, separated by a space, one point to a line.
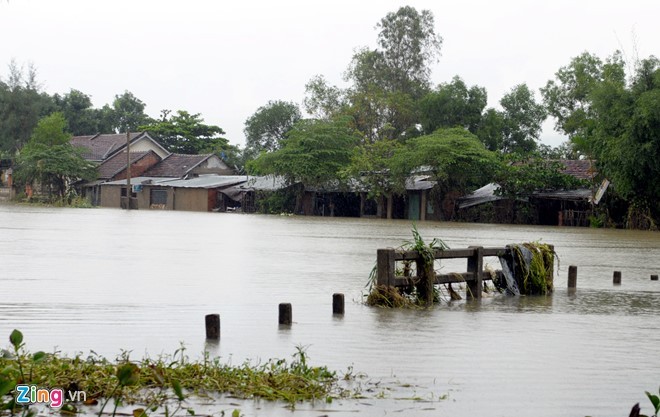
204 192
556 207
149 163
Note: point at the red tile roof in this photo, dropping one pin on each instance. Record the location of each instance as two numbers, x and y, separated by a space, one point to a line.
176 165
117 163
582 169
99 147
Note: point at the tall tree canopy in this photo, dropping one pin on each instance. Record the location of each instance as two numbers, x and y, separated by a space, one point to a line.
314 152
187 133
523 120
77 108
22 104
453 104
389 80
267 127
126 113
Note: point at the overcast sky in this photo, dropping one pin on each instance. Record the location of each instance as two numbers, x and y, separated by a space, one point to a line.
224 59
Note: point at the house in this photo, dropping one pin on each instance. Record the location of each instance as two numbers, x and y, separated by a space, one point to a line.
557 207
149 162
204 192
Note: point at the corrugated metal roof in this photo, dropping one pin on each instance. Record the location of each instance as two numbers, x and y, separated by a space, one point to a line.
141 180
267 183
419 183
484 194
207 181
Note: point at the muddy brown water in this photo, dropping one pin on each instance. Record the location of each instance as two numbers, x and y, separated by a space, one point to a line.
106 280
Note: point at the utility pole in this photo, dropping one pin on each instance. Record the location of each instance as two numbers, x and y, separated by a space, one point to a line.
129 191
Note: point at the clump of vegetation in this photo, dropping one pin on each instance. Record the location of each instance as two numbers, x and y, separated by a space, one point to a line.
422 292
386 296
532 267
161 384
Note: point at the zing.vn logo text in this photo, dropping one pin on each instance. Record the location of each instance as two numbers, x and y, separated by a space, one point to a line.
30 394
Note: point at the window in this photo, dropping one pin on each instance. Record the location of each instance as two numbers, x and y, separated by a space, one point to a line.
158 197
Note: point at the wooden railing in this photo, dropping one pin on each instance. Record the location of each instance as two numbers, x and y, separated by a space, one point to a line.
387 258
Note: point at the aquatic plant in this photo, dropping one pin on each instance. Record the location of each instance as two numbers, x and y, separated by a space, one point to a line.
422 291
158 384
655 401
531 268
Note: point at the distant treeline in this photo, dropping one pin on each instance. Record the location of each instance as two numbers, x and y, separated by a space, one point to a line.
391 121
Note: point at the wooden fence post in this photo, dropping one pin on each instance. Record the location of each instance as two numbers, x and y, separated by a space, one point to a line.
385 267
475 265
616 278
572 276
338 303
654 277
212 322
285 316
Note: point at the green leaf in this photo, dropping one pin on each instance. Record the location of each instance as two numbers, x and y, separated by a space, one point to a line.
176 386
236 413
655 400
6 385
127 374
16 338
68 409
38 356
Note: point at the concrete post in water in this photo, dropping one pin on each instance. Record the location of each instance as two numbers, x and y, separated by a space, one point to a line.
572 276
654 277
476 266
338 303
285 313
212 326
385 267
616 279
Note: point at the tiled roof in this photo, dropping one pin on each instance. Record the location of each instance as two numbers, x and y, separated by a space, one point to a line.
99 147
117 163
176 165
582 169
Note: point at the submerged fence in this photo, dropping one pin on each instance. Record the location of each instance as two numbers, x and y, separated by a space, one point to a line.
386 267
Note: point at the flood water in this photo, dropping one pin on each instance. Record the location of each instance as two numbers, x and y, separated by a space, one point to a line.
107 280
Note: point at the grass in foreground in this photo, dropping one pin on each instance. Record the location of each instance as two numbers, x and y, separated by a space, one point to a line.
163 383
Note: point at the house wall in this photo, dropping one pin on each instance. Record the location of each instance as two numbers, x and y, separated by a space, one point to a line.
191 199
146 144
138 168
110 196
213 165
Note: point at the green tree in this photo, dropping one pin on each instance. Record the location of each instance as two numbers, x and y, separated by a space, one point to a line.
453 104
187 133
126 113
456 158
48 159
491 130
523 119
314 152
568 98
323 101
387 82
267 127
77 109
370 163
409 45
626 139
520 176
22 104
